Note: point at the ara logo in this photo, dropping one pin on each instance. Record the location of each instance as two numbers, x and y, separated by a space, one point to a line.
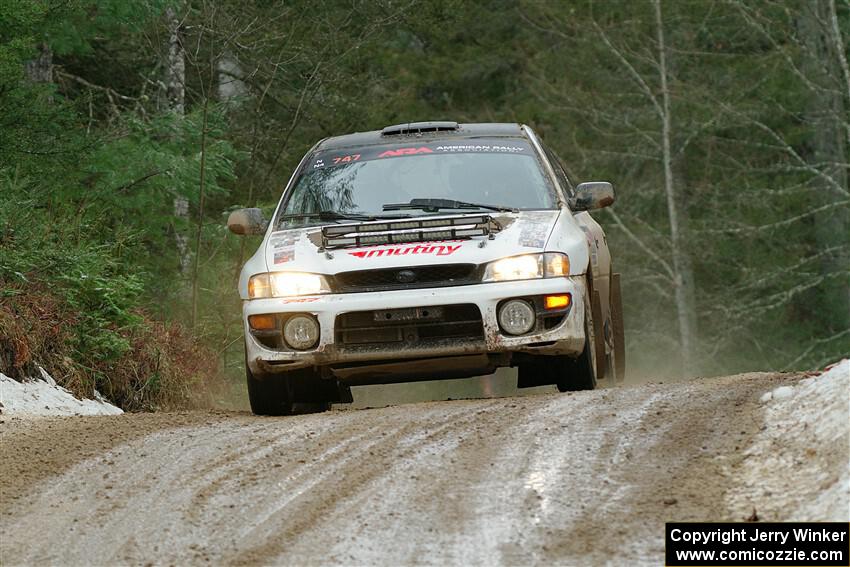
405 152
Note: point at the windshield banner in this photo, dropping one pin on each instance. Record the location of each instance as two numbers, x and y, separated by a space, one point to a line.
418 148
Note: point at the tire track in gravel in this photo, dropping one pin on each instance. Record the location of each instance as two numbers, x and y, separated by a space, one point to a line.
385 451
575 478
664 468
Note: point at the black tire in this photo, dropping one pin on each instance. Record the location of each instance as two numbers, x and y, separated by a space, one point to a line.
311 394
619 330
599 334
269 395
580 373
567 373
297 391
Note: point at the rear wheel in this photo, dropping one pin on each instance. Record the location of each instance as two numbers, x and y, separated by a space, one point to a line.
619 331
598 334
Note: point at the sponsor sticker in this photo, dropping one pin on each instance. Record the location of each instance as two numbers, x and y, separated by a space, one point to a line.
299 300
479 148
534 229
284 256
437 249
283 241
405 152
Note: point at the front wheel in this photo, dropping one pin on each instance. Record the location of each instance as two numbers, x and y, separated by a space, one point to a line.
567 373
269 395
296 391
580 373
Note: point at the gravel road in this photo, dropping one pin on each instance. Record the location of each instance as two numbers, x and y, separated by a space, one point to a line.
578 478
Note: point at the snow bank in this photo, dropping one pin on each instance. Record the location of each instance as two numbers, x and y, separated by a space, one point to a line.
798 467
45 398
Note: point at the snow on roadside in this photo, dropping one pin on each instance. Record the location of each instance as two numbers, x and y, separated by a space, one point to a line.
45 398
798 467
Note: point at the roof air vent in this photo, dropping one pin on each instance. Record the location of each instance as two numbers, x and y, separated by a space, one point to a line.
419 128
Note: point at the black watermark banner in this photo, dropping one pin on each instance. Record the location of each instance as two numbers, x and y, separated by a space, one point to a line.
813 544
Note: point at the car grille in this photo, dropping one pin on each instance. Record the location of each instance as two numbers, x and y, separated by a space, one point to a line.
418 326
406 278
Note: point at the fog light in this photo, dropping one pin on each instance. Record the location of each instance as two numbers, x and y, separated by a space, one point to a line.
516 317
262 322
301 332
557 301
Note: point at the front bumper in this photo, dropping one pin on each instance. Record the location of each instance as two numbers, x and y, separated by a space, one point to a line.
567 338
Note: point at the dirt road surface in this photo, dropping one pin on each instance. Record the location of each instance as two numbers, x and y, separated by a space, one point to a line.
577 478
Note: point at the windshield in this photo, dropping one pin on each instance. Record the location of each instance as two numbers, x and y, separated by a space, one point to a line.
360 181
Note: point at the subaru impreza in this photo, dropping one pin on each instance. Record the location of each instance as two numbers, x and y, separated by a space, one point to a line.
426 251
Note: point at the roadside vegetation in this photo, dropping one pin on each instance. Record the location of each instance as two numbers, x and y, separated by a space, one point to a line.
75 307
129 129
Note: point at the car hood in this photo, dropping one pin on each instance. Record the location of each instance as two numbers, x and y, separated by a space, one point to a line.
522 232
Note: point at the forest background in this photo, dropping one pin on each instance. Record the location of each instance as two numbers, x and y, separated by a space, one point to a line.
129 130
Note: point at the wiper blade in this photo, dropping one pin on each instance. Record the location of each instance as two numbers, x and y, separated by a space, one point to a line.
434 205
333 215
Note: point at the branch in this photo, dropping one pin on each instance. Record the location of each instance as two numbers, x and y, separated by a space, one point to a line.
778 224
632 236
786 147
111 94
632 71
750 20
812 346
142 179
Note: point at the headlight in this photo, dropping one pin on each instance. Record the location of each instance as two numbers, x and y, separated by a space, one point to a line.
286 284
528 267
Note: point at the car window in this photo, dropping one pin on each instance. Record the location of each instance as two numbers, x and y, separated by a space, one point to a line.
503 172
560 173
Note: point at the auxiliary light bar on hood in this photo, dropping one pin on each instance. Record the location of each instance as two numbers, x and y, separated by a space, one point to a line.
414 230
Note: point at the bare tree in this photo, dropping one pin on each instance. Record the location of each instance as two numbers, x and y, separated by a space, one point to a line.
683 283
647 137
825 63
175 94
809 49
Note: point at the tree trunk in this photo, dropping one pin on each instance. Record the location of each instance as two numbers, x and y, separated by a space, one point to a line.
229 73
175 65
200 228
683 279
840 51
175 94
40 69
825 64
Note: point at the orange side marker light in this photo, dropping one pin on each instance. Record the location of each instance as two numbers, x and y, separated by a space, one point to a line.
557 301
262 322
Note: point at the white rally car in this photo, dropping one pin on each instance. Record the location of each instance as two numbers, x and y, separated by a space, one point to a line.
426 251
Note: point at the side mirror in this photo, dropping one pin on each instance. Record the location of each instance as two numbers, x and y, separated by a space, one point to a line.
593 195
247 221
